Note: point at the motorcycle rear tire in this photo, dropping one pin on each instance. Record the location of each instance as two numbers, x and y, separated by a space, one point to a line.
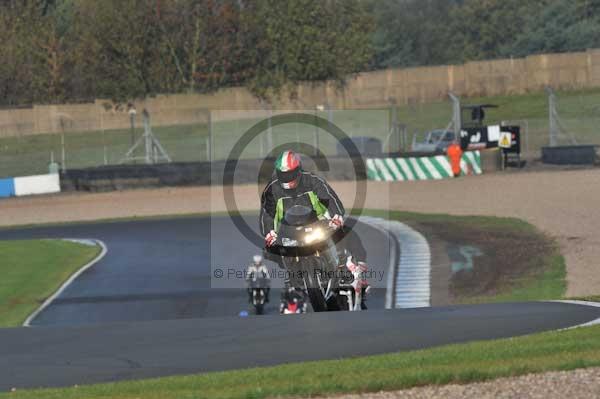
259 309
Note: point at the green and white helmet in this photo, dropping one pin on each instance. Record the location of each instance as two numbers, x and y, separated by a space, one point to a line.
288 168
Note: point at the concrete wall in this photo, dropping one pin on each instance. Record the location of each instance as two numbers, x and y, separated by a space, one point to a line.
366 90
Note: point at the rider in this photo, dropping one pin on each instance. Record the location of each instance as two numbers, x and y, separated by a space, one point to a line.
291 295
293 186
258 272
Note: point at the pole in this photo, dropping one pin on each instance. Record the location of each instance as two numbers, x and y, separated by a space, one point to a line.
105 152
527 136
132 115
551 116
316 132
393 127
270 131
63 155
209 143
456 114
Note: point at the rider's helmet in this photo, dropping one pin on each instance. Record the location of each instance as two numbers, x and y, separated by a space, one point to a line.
288 168
257 259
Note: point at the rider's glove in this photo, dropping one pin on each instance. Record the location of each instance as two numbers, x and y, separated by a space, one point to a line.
336 222
270 238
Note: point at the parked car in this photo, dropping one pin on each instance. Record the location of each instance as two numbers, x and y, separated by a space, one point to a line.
435 141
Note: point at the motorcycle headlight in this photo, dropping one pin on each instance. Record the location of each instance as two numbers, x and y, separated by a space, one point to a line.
315 235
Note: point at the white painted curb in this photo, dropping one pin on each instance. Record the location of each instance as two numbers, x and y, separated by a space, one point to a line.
389 291
78 273
412 274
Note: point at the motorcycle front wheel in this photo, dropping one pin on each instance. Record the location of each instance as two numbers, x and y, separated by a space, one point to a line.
315 293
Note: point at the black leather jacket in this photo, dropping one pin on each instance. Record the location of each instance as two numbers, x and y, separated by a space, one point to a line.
312 191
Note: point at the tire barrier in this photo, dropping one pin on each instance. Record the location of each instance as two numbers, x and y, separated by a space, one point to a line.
421 168
569 155
248 171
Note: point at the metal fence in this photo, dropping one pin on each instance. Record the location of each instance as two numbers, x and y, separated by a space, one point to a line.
546 119
80 138
75 142
228 127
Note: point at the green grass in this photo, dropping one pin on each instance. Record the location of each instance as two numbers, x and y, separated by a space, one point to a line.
32 270
550 284
23 155
463 363
546 271
492 224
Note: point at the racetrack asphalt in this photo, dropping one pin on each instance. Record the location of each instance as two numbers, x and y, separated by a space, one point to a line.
147 310
160 269
64 356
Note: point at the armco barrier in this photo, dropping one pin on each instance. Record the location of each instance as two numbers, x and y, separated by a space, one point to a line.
421 168
30 185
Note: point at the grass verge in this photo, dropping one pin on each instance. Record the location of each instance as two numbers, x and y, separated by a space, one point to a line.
519 264
463 363
32 270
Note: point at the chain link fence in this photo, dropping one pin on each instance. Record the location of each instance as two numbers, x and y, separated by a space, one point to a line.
75 140
546 118
574 118
82 136
228 127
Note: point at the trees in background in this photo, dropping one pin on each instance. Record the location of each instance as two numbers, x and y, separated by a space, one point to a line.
327 40
412 32
33 55
76 50
560 26
57 51
434 32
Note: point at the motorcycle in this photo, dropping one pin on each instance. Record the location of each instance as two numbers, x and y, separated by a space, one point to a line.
257 288
306 248
356 287
293 303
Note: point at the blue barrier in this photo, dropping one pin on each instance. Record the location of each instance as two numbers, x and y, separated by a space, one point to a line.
7 188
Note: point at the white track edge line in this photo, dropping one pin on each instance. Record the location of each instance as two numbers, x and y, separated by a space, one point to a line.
59 291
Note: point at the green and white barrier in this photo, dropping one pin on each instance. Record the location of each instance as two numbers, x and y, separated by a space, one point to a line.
421 168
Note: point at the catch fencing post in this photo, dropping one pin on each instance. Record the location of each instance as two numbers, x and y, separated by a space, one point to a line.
209 141
456 115
63 155
555 125
553 129
316 135
270 130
